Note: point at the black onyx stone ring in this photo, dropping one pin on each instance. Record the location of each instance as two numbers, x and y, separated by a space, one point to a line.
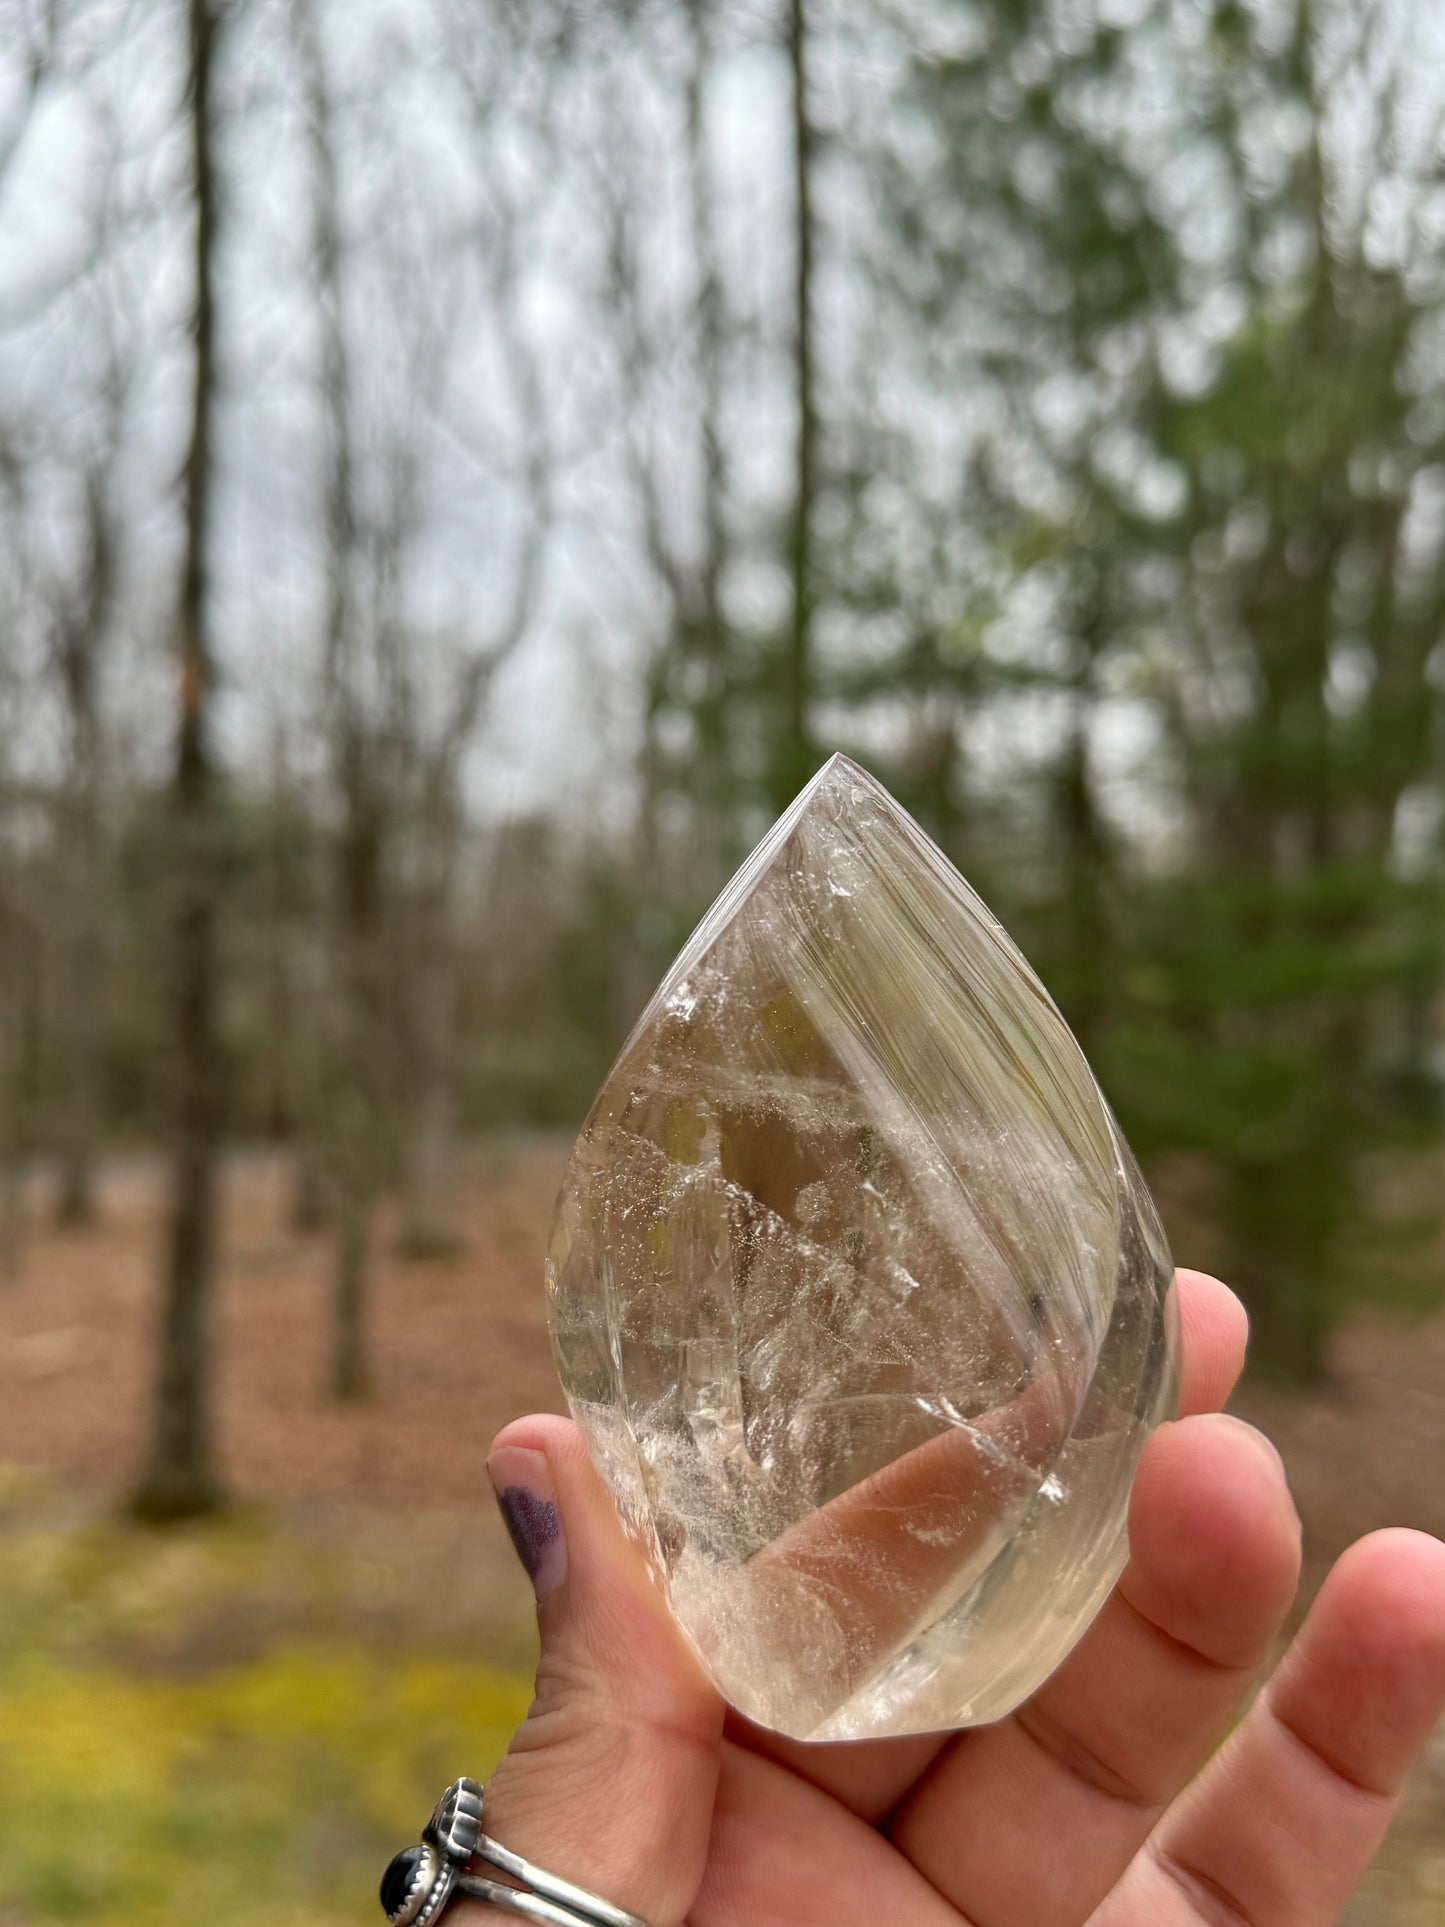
422 1879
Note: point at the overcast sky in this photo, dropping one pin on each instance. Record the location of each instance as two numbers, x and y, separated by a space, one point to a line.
103 155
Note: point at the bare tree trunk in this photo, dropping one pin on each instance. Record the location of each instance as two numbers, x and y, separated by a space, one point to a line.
1087 974
430 1222
12 1153
80 1020
12 1208
797 753
295 994
353 1124
430 1203
82 960
350 1365
308 1191
308 992
356 1120
714 779
282 1044
180 1478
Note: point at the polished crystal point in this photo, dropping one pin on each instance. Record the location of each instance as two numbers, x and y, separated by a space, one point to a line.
857 1292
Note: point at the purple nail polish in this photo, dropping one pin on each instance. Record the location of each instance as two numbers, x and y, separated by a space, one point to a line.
529 1509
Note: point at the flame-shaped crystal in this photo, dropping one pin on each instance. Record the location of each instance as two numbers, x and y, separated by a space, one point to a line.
857 1293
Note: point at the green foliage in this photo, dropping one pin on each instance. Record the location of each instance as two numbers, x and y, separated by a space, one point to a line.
143 1786
275 1791
1222 535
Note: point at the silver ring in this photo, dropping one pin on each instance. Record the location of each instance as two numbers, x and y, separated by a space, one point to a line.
422 1879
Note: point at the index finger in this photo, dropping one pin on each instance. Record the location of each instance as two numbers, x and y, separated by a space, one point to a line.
1214 1329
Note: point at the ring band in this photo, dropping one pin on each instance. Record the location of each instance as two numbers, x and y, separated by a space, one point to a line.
422 1879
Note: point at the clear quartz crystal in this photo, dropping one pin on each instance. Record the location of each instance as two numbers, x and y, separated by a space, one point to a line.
857 1292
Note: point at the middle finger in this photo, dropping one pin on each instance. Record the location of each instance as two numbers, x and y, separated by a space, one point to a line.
1034 1819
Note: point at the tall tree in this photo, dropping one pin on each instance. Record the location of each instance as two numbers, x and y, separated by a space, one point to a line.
699 702
1205 465
359 749
13 971
795 754
180 1477
1302 706
17 972
448 680
83 616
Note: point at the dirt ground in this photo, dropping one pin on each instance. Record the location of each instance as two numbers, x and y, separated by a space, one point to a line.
393 1492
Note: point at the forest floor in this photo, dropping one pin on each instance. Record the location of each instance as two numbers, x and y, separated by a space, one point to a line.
283 1689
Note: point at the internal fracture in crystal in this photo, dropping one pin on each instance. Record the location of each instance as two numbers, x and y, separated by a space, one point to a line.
857 1293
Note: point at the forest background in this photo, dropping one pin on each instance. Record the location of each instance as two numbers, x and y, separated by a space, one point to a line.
465 464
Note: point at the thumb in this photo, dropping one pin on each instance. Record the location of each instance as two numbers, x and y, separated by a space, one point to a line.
610 1780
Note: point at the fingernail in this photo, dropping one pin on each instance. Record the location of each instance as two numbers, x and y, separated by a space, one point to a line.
529 1509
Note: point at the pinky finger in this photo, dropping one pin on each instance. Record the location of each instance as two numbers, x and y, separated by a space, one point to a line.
1281 1826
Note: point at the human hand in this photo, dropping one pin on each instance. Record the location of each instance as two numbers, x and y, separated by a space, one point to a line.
1101 1800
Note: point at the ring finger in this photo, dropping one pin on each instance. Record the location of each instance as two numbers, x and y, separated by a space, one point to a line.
1091 1761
